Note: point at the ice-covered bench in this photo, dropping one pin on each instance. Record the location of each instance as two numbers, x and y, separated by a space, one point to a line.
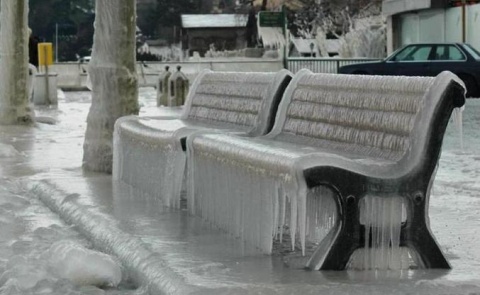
149 153
353 154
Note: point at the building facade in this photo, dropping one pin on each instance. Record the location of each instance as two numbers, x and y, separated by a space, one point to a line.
412 21
203 32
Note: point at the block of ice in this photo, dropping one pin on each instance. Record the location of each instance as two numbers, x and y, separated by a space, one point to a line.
83 266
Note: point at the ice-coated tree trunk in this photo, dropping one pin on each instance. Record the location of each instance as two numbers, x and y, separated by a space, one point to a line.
114 80
15 107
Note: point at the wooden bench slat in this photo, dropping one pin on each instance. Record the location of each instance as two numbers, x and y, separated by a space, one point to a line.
375 100
240 104
386 121
348 135
233 89
365 83
218 115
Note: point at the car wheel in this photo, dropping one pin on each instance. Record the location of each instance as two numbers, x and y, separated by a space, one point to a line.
471 85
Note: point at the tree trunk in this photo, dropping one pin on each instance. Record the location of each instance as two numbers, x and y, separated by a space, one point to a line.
113 74
264 5
15 107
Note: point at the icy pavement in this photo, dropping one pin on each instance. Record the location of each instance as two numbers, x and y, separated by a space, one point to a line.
169 251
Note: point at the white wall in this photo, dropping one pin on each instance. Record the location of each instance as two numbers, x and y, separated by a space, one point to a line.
409 29
439 25
432 28
473 27
453 24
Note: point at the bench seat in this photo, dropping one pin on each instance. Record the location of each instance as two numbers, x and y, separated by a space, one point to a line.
149 152
253 152
360 136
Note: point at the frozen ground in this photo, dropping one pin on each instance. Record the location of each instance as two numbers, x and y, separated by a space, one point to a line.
168 250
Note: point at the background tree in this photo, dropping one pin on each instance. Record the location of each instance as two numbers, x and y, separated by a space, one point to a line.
329 19
15 107
74 19
334 17
114 80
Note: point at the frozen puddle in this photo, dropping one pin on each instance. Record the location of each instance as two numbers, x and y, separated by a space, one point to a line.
163 249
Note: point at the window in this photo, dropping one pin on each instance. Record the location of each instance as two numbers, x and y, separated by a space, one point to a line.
455 53
403 53
441 53
472 51
448 52
421 54
414 53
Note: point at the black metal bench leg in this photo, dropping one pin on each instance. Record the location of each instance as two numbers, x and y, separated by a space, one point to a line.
335 250
427 250
416 235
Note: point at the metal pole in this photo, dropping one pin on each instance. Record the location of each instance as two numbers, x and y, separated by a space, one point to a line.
285 34
56 42
463 21
47 86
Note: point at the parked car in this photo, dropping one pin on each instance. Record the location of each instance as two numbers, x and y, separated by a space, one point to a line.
427 59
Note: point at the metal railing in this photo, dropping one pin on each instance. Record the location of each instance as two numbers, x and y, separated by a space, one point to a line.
322 65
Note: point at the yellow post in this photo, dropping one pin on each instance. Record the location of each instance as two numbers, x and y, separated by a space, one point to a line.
45 58
45 54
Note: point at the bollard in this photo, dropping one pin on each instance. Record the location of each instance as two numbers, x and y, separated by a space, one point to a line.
32 73
45 89
178 88
45 83
162 87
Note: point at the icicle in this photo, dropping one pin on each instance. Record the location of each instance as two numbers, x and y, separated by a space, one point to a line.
293 218
141 160
458 120
382 218
302 215
321 213
283 211
276 210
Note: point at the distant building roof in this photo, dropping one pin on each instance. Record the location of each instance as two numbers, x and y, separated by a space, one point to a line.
214 20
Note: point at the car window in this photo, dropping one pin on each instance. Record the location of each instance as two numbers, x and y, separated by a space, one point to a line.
441 53
414 53
422 53
448 53
455 53
472 51
401 55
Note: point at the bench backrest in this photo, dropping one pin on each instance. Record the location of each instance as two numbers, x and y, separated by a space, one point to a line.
245 99
373 116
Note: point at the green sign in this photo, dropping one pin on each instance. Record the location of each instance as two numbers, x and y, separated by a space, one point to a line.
271 19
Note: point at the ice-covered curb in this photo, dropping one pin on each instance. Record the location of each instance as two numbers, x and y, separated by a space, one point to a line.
146 267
